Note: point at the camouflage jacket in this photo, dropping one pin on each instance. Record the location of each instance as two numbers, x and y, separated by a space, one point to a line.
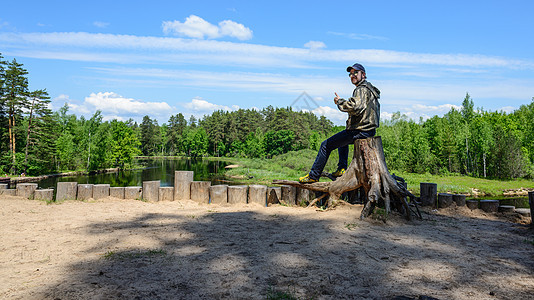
363 107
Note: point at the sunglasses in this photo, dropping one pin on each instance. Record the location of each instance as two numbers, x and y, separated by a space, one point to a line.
353 74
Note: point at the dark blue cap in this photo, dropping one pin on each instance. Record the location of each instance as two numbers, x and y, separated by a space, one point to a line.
356 67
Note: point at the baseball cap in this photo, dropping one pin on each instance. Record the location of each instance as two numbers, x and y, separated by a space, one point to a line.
356 67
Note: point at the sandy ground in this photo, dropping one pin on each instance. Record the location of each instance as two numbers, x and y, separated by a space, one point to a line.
127 249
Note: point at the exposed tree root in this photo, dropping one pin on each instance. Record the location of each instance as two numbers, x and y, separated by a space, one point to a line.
368 170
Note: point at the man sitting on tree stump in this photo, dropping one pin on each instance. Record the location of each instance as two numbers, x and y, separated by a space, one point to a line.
364 116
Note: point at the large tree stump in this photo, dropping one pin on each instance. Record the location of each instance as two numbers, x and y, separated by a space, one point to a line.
368 170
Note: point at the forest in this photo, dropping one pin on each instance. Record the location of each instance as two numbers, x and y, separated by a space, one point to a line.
35 140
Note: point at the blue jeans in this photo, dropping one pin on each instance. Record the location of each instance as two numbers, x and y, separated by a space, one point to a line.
341 141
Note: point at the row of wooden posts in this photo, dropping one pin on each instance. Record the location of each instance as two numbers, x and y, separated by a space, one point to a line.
185 188
429 196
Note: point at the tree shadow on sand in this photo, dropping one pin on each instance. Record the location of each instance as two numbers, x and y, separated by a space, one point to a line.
248 255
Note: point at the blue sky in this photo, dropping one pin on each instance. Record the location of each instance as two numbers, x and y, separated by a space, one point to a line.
159 58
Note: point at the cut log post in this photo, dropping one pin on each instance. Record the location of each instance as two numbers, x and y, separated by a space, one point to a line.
459 199
182 184
100 191
489 206
219 194
368 170
85 191
444 200
66 191
8 192
151 190
471 204
3 186
525 212
429 192
274 194
531 205
116 192
26 190
44 195
506 208
289 195
257 194
133 192
200 191
166 193
303 197
237 194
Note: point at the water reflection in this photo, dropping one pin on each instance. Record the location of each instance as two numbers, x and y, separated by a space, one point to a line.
153 169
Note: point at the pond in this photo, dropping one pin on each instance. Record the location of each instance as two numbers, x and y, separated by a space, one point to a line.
153 169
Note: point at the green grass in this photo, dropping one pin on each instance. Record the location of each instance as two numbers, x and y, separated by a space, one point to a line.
463 184
292 165
289 166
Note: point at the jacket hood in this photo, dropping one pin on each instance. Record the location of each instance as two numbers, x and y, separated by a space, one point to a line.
372 88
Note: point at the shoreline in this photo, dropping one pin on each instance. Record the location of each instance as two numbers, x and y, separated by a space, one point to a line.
15 180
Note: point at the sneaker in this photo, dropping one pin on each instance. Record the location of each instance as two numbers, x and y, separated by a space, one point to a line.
307 179
338 173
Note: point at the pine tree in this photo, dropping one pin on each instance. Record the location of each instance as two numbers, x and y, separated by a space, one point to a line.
39 149
15 99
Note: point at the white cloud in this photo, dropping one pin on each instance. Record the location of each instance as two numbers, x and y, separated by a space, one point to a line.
74 105
316 85
359 36
193 26
444 108
233 29
196 27
81 46
200 105
333 114
109 102
384 115
114 107
113 117
418 111
507 109
100 24
79 109
315 45
3 24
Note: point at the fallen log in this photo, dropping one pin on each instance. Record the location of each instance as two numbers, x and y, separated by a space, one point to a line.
368 170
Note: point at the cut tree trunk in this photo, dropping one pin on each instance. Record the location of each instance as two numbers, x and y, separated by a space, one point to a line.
368 170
